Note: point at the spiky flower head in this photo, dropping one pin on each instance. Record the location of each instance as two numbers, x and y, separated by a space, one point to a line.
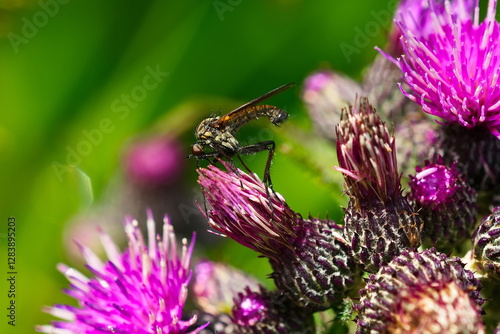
421 292
244 209
311 260
266 312
452 69
486 244
141 290
419 16
367 155
379 220
321 271
325 94
446 203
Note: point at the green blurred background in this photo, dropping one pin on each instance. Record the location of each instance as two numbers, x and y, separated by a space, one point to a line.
65 65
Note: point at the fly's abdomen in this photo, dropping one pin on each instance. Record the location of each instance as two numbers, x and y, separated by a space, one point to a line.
234 121
276 115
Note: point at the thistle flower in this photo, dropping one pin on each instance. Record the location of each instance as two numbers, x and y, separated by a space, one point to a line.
141 290
379 220
451 64
266 312
453 67
419 17
424 292
447 203
486 244
311 260
325 94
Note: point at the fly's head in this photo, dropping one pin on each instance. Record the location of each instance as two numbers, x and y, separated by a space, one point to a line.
209 134
204 132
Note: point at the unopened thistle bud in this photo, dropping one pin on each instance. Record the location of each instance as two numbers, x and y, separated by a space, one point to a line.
379 220
486 242
424 292
244 209
325 94
267 312
447 204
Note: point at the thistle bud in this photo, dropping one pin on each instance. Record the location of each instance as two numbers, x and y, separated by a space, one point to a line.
424 292
244 209
325 94
486 244
447 204
379 220
266 312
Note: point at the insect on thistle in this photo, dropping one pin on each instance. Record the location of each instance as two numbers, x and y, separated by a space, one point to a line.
218 132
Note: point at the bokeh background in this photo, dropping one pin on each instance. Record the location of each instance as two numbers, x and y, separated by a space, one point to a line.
82 82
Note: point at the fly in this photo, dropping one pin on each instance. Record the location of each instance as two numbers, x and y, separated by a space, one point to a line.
218 133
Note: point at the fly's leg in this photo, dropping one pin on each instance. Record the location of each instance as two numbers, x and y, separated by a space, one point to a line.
212 158
259 147
216 156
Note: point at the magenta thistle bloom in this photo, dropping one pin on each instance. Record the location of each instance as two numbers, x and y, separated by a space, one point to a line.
419 16
141 290
435 184
453 68
256 217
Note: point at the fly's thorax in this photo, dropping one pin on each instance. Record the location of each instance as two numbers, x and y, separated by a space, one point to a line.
225 141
